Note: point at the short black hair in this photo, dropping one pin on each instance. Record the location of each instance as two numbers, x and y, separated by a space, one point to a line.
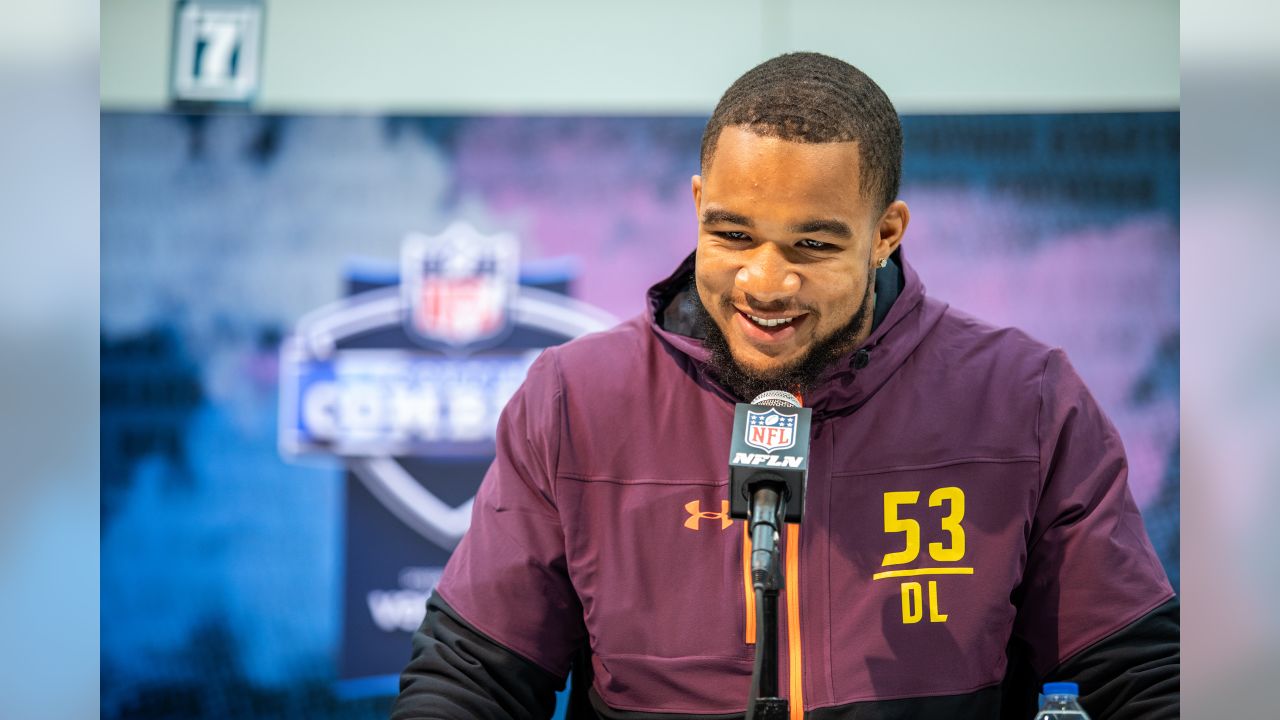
814 98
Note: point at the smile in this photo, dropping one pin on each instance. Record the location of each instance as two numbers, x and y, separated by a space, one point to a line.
766 322
762 331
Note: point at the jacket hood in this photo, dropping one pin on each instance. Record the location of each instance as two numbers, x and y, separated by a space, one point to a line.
850 380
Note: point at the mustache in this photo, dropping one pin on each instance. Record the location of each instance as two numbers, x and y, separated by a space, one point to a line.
727 302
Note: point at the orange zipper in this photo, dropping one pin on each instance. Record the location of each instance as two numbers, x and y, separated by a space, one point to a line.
793 611
793 621
793 614
746 582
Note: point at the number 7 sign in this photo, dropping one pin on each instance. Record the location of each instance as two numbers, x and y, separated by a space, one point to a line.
216 48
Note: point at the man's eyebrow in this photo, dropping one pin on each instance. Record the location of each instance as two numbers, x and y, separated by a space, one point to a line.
712 216
831 227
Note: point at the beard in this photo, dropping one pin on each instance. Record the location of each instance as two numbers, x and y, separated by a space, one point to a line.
798 376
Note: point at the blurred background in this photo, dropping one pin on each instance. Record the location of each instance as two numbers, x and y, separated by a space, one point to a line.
303 202
284 456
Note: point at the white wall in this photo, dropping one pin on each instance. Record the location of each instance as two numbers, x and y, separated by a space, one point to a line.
669 56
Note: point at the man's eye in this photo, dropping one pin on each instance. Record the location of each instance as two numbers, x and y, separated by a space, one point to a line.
733 235
815 245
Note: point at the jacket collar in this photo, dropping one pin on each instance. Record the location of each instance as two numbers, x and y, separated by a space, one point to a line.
849 381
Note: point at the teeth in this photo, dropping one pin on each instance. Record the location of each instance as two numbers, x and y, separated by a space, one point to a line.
769 323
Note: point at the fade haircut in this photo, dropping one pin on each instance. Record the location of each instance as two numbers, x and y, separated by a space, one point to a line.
812 98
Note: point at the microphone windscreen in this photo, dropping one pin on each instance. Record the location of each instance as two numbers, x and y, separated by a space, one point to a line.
776 398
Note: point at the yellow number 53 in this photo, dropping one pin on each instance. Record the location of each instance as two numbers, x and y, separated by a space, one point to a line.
952 551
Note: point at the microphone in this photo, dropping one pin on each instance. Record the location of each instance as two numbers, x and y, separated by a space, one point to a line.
768 465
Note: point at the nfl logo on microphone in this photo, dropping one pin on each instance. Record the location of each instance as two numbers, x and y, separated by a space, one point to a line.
770 430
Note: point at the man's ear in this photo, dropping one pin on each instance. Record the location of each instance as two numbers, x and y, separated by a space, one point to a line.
696 183
889 231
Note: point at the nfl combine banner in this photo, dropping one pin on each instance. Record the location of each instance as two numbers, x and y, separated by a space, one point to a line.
233 241
404 380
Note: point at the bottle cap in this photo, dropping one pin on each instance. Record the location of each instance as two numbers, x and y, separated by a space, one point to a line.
1061 688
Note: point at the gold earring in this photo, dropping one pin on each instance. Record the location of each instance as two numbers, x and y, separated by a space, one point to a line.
883 261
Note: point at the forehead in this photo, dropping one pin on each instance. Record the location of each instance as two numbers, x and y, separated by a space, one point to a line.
761 171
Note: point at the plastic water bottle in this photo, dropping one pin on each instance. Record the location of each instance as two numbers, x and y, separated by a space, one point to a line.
1061 702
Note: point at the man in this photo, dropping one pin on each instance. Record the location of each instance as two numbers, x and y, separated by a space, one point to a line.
968 534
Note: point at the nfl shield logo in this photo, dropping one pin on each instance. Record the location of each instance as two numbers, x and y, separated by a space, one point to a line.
770 430
459 286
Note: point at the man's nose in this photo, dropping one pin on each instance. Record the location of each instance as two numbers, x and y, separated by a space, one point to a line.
767 276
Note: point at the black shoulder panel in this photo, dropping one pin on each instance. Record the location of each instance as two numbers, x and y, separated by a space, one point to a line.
459 673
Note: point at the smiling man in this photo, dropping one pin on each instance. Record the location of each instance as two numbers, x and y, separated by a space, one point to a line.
968 534
787 252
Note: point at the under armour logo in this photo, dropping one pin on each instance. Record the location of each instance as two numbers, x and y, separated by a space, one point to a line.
696 515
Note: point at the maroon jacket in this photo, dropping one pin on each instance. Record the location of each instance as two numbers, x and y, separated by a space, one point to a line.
966 504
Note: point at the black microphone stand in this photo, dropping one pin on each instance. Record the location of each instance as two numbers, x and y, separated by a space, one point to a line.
768 508
767 490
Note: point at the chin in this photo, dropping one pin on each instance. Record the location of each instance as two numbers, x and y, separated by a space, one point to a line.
763 368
